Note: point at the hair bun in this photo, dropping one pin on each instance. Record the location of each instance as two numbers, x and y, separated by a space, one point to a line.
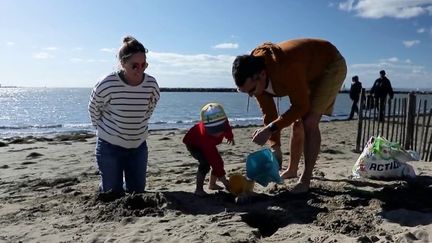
129 47
128 39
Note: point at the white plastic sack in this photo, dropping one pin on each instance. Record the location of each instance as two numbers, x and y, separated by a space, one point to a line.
382 159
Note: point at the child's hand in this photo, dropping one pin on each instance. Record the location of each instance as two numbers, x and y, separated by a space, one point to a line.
230 141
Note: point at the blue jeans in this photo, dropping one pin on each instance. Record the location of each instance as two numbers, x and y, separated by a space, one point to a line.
113 160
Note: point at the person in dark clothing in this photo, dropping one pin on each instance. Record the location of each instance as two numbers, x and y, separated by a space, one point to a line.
355 90
380 89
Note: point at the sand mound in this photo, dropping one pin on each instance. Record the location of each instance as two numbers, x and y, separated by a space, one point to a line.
107 207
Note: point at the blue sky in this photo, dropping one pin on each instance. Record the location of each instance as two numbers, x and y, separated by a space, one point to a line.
192 43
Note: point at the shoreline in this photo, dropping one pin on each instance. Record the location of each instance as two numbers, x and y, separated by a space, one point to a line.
212 89
54 134
76 135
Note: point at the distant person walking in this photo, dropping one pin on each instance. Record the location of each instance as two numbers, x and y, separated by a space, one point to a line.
355 91
380 89
120 107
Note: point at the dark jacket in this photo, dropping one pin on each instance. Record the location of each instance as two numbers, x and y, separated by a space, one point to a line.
381 88
355 90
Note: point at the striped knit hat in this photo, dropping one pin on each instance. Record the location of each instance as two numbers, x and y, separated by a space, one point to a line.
213 116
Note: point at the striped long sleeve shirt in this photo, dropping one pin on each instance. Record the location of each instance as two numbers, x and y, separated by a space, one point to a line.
121 112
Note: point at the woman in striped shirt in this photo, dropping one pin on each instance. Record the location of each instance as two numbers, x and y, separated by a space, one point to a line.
120 108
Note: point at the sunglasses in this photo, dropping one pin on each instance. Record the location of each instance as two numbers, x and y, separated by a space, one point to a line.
137 66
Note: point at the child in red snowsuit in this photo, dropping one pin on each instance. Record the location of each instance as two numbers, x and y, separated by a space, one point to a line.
201 141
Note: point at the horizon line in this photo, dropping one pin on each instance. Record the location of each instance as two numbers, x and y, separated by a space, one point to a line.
219 89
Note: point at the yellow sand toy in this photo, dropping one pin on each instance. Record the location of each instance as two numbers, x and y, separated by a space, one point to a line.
239 184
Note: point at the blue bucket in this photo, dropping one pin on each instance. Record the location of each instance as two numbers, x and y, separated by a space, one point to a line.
263 167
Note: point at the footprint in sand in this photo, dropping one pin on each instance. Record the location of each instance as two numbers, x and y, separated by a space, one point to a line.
332 151
28 162
183 181
33 155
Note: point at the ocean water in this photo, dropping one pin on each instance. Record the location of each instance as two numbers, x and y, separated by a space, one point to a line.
50 111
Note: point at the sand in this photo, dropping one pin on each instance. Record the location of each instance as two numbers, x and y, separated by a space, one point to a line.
48 193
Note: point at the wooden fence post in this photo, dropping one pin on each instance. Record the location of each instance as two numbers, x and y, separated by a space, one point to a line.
410 118
360 119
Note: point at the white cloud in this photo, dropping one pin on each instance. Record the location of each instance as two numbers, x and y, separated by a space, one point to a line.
390 59
42 55
51 48
10 43
199 70
402 74
81 60
109 50
421 30
376 9
226 46
76 60
410 43
202 64
347 5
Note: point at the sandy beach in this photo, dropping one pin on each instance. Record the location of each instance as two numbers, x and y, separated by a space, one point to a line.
48 193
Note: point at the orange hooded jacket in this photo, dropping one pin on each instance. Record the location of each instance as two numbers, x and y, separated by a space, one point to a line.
293 68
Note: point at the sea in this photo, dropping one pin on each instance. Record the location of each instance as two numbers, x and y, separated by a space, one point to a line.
52 111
